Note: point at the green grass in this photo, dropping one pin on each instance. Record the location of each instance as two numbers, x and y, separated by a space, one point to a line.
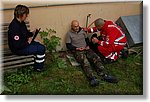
70 80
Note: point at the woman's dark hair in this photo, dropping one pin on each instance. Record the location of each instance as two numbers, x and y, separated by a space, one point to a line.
20 10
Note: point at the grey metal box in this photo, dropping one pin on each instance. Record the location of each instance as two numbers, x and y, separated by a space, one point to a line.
133 28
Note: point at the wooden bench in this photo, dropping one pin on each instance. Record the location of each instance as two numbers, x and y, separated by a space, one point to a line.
10 60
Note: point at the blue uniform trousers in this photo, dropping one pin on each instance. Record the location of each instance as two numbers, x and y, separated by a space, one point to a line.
37 49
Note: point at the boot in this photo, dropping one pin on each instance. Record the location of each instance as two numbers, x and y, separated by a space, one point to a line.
124 53
109 78
94 82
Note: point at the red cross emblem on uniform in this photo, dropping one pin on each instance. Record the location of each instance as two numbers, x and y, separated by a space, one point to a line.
16 37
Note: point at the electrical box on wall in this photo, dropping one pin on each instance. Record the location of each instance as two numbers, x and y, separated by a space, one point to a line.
133 28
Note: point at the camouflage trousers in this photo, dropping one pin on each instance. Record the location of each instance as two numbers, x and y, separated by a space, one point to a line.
87 59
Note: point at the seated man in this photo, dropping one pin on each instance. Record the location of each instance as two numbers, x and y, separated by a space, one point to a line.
77 43
112 39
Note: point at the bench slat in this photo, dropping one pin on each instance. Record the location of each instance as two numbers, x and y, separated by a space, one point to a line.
18 61
14 57
17 66
6 24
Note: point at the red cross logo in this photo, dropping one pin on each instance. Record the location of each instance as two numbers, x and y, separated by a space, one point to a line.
16 37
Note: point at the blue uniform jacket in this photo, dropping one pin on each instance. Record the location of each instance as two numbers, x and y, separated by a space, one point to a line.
18 35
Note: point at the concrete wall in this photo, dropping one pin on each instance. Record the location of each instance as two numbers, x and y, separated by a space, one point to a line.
59 17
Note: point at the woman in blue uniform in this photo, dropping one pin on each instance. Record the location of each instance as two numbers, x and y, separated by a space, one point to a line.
20 39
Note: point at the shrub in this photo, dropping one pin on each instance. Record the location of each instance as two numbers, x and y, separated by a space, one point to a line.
50 40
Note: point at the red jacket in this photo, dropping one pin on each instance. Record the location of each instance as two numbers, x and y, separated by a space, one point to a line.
111 34
113 39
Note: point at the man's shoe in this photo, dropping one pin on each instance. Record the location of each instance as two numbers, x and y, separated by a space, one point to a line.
124 53
109 78
39 70
94 82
